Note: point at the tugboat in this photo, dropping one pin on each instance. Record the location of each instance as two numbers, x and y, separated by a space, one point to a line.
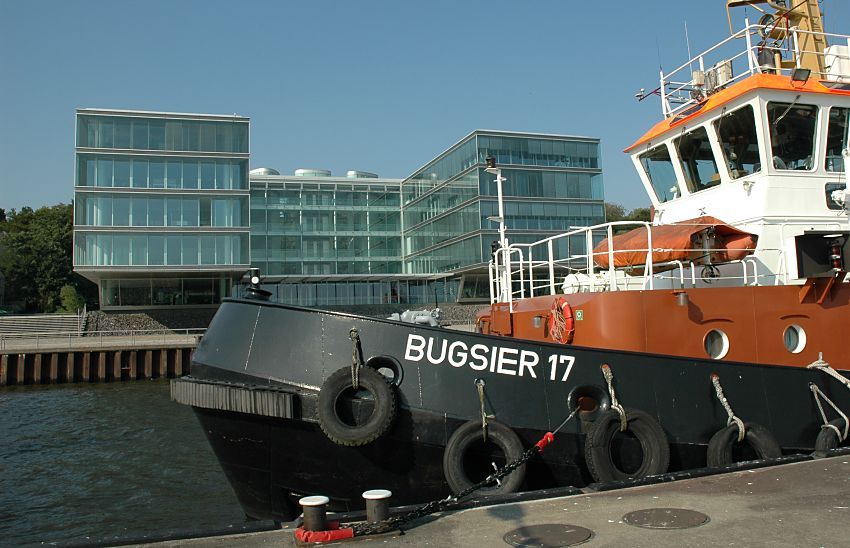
700 338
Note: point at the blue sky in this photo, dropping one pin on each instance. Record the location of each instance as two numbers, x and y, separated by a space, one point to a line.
380 86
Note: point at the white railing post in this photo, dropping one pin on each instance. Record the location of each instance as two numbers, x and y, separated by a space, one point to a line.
530 272
748 36
665 108
588 243
796 45
612 272
551 268
649 268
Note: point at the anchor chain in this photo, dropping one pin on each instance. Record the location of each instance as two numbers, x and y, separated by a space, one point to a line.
354 335
615 405
395 522
715 380
479 384
817 393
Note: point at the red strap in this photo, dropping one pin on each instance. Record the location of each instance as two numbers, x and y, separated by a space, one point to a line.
333 533
547 438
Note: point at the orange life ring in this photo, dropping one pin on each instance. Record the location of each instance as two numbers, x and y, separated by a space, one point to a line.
562 325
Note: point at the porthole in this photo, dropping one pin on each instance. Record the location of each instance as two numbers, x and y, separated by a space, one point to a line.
716 344
794 338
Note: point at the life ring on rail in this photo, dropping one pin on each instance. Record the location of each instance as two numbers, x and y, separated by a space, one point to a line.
467 442
562 325
827 437
757 436
351 432
599 450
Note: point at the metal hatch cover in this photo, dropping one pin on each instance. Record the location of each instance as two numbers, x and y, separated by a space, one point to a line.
666 518
548 535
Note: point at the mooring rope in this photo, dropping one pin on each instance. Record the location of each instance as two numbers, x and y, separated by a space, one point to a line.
715 380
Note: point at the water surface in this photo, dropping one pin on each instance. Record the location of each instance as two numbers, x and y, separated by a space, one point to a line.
93 462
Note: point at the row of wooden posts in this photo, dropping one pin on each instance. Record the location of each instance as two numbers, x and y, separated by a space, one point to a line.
93 365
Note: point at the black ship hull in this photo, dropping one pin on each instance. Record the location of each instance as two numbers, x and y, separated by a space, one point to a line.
273 453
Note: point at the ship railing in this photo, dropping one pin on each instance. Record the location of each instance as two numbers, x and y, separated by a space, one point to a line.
533 269
729 61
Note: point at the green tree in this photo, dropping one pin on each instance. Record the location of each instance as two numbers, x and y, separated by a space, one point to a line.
35 257
71 300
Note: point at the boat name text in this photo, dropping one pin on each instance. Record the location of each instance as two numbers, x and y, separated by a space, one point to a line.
503 360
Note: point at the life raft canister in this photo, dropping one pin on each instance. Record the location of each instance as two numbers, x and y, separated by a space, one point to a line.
379 421
561 322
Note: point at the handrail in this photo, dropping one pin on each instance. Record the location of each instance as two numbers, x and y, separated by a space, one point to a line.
690 92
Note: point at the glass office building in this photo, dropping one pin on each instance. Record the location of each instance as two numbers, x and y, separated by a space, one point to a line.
321 240
552 182
161 206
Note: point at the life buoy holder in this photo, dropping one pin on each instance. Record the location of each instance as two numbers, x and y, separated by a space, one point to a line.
376 425
469 436
561 322
755 435
599 447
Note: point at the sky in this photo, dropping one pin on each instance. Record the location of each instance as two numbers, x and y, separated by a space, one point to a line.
379 86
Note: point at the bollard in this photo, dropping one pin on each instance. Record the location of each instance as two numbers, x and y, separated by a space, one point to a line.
315 512
376 504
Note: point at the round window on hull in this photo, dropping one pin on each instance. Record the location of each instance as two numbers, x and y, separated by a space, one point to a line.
716 344
794 338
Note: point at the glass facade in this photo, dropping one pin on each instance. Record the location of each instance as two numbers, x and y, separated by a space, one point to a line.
325 226
552 183
165 193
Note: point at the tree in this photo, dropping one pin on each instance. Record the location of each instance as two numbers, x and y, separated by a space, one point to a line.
614 212
71 300
35 257
2 215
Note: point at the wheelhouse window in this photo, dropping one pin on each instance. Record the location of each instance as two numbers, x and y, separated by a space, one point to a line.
739 142
792 135
659 169
697 160
836 137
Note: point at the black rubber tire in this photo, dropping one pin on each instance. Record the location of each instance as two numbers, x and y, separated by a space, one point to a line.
827 438
460 442
757 436
379 421
598 446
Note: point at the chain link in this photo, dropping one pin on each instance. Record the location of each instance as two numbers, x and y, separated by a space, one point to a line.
395 522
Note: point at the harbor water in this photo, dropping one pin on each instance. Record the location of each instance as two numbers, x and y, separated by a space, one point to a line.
97 463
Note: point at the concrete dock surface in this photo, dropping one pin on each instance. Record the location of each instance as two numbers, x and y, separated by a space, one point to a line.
799 504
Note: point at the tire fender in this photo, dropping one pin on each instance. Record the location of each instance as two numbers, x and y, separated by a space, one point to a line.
827 437
598 449
462 440
757 436
378 423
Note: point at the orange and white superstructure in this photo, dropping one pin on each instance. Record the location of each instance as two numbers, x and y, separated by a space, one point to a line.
747 176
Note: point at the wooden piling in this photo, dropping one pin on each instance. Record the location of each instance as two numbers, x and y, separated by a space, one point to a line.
53 368
19 369
85 367
36 369
116 366
147 364
4 369
132 365
101 367
163 363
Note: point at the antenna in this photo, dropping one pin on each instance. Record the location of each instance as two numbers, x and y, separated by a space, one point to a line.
688 42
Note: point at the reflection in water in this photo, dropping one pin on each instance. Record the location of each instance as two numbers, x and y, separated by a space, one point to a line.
88 462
